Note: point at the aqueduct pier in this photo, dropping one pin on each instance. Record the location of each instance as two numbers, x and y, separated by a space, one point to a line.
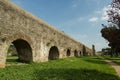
34 39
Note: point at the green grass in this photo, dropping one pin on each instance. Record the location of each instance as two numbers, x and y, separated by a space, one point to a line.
12 59
114 59
85 68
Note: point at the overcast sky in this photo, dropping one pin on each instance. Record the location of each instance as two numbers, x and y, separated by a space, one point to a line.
80 19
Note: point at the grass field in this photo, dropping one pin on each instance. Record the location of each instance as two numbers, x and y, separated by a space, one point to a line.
85 68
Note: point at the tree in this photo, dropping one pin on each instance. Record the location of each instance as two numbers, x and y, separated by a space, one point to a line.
114 14
93 50
111 32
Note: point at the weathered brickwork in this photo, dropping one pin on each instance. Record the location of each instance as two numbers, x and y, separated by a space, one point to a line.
32 37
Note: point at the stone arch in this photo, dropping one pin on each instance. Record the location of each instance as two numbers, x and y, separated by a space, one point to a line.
76 53
53 53
24 50
23 45
68 53
19 36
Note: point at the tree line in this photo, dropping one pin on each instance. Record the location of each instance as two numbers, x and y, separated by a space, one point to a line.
111 31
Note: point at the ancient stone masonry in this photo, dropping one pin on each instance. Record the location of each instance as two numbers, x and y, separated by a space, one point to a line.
34 39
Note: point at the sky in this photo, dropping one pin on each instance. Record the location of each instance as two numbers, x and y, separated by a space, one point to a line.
80 19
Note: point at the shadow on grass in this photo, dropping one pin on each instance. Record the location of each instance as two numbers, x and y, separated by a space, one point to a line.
113 58
95 60
72 74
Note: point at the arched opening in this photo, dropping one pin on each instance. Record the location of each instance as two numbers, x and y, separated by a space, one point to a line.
76 53
12 55
53 53
12 50
68 52
80 53
21 49
84 51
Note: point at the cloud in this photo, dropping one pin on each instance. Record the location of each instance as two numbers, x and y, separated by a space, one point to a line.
101 15
81 19
104 13
74 5
98 12
93 19
74 21
82 36
79 36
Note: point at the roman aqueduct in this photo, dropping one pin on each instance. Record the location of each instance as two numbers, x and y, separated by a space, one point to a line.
34 39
